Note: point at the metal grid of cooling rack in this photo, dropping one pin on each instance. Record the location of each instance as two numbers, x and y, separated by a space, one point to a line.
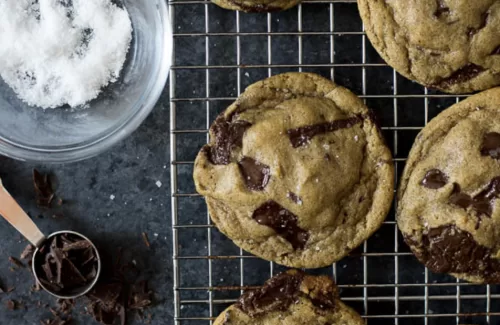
217 53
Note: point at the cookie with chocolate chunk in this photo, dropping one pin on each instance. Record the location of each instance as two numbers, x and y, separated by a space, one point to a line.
296 171
256 5
451 45
449 197
292 297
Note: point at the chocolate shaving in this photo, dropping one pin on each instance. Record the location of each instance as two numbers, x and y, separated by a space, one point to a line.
303 135
283 222
43 189
16 262
140 297
27 253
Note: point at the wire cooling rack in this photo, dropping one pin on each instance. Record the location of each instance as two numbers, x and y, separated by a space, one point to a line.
217 53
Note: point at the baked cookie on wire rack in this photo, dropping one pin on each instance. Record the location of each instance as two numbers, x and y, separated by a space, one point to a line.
450 45
449 195
292 297
296 171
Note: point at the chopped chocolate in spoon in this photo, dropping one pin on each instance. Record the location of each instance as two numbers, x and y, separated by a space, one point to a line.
66 264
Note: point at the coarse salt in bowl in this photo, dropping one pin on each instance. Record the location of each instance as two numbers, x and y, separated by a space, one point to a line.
66 134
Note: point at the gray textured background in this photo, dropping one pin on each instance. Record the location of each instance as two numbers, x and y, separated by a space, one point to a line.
129 172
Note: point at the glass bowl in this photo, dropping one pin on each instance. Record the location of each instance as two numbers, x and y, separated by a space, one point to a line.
70 134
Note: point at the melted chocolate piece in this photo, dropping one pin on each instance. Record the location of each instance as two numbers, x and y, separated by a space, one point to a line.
324 302
463 74
496 51
294 197
491 145
434 179
303 135
441 8
458 198
277 294
448 249
255 174
273 215
228 135
482 203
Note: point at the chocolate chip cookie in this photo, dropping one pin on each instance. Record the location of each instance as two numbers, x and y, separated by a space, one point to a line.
451 45
449 206
256 5
291 298
296 171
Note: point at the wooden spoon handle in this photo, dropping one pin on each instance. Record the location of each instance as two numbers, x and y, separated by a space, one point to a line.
15 215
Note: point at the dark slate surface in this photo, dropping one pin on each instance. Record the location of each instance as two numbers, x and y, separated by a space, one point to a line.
129 172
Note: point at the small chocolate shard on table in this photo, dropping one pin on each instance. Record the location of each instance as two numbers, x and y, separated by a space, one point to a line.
67 263
11 304
105 304
140 297
43 189
16 262
27 253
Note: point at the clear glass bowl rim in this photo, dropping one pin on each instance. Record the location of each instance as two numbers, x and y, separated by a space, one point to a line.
120 132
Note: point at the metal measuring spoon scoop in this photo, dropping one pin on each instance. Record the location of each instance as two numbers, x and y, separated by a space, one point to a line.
66 264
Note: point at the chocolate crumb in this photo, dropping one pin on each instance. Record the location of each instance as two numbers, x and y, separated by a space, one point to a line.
11 304
16 262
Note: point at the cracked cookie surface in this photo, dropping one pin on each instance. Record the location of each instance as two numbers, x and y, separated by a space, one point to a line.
292 297
256 5
296 171
451 45
449 195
